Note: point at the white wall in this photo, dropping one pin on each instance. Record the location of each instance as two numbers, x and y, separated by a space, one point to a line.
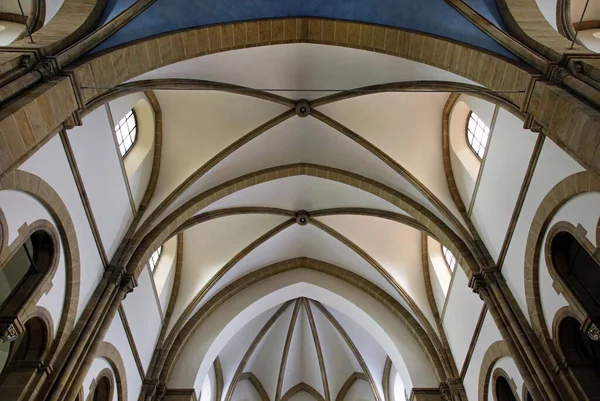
10 31
489 334
52 7
117 337
553 165
245 391
508 156
143 315
360 391
98 162
164 272
548 9
58 175
463 306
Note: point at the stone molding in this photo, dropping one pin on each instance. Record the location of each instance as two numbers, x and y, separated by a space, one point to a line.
108 352
44 193
104 373
174 347
557 197
513 386
494 352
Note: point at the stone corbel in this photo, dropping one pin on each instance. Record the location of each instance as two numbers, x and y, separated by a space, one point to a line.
478 284
532 124
445 392
556 74
128 283
457 389
10 330
73 121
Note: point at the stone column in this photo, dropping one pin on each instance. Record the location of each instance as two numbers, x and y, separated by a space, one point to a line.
126 284
68 380
539 378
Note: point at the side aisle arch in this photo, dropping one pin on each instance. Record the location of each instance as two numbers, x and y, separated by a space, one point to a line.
560 194
43 192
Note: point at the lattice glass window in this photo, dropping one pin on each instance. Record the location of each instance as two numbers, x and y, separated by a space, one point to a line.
478 135
449 258
155 258
126 131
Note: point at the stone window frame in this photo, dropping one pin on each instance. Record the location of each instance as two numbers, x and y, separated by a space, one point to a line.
468 133
450 265
496 374
105 373
152 264
558 282
118 129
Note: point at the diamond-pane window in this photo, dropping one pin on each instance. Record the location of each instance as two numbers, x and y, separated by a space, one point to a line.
126 132
154 258
478 135
449 258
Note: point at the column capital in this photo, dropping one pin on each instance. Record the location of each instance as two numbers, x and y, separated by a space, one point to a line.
10 329
532 124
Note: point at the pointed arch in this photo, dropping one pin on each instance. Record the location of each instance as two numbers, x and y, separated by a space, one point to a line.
302 387
174 348
170 224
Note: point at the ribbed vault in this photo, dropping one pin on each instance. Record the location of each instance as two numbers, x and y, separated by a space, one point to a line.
301 347
326 194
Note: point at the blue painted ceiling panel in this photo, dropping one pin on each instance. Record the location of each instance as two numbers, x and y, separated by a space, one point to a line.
428 16
489 10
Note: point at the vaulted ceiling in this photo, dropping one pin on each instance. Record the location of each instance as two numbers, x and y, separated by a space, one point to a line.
249 180
435 17
301 346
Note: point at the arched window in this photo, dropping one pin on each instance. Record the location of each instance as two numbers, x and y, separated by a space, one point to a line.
20 276
449 258
579 270
102 390
477 135
582 354
503 390
126 131
155 258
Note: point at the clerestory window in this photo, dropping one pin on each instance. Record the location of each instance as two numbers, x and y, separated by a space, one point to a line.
449 258
478 135
155 258
126 132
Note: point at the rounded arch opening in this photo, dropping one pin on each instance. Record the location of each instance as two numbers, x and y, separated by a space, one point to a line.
144 140
102 392
503 390
25 270
218 328
465 140
578 269
581 354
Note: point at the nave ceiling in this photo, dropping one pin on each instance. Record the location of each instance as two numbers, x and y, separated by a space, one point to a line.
358 185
